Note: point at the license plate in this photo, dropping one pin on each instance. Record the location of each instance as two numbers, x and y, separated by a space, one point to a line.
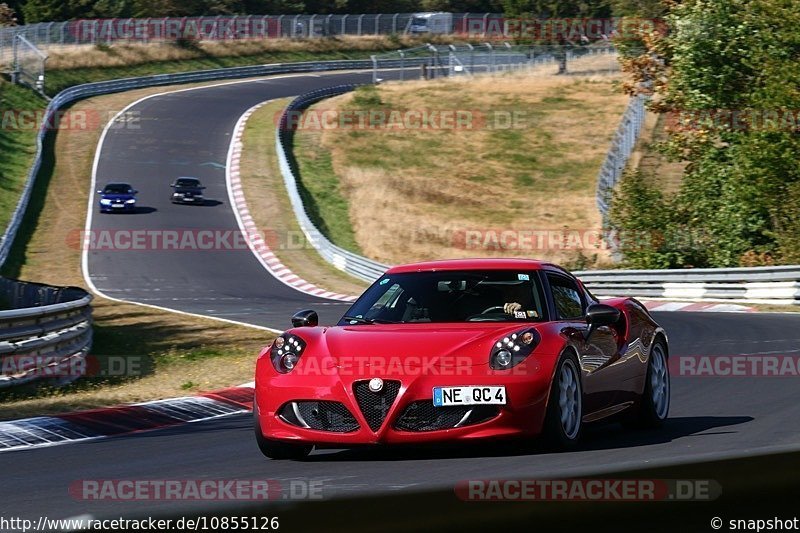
485 395
188 199
117 205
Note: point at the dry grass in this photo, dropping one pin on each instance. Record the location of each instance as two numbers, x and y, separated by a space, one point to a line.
413 192
182 354
127 54
656 167
263 187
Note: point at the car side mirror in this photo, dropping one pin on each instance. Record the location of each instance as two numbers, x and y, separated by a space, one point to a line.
598 315
307 318
135 191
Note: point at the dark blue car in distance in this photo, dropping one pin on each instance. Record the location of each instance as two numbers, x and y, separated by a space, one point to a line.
117 197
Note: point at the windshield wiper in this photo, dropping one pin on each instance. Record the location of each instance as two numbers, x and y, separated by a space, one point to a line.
362 320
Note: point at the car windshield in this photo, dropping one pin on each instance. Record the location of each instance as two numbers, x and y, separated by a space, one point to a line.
187 182
450 296
117 188
419 21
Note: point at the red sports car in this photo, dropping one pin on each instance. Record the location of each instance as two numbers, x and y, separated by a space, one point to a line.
461 350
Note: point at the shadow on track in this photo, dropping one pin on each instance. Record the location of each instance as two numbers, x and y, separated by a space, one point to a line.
601 437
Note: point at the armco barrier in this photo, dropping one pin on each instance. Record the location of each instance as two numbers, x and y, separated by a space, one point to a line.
45 332
353 264
777 285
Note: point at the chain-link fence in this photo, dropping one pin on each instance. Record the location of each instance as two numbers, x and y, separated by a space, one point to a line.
437 61
28 64
146 30
619 153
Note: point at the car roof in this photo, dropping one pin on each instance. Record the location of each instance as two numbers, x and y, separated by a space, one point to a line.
475 264
119 183
186 178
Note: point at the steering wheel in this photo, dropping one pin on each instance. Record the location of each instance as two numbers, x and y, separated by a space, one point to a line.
494 309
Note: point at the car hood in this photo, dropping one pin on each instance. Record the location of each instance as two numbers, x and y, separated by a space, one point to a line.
117 197
440 345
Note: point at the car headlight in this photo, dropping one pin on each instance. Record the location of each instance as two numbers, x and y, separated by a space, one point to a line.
104 201
286 351
512 349
131 201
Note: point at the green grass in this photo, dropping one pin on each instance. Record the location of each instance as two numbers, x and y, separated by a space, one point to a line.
320 190
17 145
58 80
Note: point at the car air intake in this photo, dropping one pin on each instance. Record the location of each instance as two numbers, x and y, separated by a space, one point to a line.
375 405
424 416
321 415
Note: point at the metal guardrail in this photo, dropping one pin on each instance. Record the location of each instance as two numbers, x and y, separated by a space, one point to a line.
354 264
45 332
776 285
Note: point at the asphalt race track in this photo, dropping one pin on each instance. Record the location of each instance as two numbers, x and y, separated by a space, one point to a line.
710 417
187 134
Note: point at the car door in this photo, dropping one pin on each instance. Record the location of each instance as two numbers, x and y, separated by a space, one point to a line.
597 353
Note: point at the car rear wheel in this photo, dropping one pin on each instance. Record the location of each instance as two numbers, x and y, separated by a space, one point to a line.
563 422
275 449
654 405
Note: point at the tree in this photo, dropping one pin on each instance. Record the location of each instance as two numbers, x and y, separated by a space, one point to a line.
7 16
729 69
45 11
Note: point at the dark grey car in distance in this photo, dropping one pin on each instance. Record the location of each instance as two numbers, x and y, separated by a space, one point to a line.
187 191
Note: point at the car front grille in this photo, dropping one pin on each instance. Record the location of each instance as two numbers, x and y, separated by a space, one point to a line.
322 415
375 405
424 416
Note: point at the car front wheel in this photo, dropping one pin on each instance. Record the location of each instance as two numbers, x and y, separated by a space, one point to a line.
563 421
275 449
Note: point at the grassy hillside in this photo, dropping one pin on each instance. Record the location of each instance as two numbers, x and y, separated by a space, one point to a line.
410 193
17 143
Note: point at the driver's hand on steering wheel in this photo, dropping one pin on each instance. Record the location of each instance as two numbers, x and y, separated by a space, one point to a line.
511 307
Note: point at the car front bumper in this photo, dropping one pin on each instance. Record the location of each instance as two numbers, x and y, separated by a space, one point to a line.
522 416
115 208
